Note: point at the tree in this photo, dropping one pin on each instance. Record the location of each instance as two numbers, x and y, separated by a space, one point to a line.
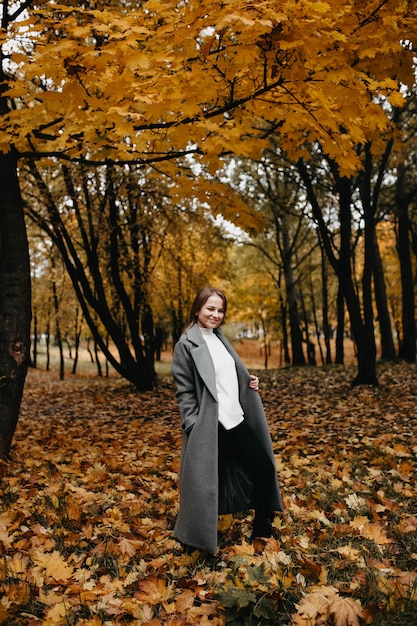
167 80
365 195
110 228
402 201
405 190
15 312
269 187
195 252
339 253
253 296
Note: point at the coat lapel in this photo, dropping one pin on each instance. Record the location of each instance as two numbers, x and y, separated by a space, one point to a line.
202 359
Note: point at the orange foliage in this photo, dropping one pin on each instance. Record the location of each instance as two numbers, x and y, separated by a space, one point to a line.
207 78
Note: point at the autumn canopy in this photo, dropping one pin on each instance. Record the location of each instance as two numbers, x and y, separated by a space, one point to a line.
169 79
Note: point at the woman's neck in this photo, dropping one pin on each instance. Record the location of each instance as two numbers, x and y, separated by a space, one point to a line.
206 331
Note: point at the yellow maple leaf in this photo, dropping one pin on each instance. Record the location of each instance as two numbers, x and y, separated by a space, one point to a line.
406 468
49 597
345 611
350 553
323 603
376 533
19 593
204 615
5 538
73 508
53 565
142 612
55 614
17 565
154 590
311 607
225 522
359 521
129 546
185 601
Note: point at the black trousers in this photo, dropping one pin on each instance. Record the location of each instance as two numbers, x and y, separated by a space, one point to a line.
242 443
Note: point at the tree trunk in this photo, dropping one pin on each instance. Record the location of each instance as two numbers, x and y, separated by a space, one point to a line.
340 330
298 357
370 190
306 322
48 344
369 350
177 311
34 359
283 309
325 304
58 337
407 349
265 343
316 322
77 338
385 328
362 329
89 350
15 308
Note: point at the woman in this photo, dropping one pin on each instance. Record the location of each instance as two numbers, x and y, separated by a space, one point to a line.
227 462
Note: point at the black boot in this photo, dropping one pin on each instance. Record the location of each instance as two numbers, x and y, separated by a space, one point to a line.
262 527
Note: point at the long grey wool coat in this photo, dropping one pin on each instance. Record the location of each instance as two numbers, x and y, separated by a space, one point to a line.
203 493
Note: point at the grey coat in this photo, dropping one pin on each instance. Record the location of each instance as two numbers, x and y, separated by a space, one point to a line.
202 495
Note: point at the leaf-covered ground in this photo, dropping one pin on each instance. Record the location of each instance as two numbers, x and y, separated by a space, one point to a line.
90 498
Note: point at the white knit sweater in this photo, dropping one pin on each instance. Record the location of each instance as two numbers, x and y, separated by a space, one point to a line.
227 387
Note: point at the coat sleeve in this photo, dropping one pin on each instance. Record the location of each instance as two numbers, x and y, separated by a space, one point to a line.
184 375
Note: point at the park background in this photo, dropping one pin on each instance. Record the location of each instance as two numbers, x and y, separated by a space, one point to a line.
146 149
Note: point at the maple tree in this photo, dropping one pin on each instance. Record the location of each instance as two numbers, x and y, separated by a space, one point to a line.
252 302
14 278
104 230
334 224
195 252
362 324
93 85
124 238
262 64
284 237
404 201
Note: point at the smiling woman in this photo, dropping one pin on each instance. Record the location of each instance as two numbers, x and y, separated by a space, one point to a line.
227 462
212 313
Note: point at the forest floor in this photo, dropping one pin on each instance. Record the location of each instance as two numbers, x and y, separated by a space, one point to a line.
90 497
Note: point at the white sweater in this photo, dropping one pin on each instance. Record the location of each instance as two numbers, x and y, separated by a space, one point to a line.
227 387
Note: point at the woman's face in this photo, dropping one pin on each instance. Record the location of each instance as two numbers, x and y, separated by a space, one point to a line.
211 313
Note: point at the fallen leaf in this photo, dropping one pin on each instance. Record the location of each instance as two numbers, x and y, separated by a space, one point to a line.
154 590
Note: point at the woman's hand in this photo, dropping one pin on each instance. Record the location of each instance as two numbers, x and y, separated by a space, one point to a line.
254 383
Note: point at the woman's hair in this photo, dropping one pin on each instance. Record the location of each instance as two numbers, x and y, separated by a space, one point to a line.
200 300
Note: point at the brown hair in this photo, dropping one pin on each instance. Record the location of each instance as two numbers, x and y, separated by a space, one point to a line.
201 298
